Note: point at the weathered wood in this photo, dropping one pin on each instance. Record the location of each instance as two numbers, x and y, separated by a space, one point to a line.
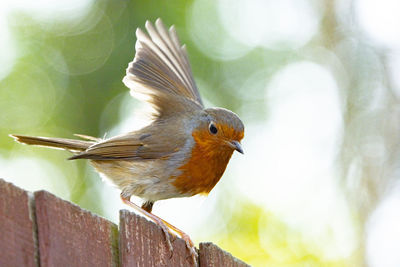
142 243
210 255
65 235
70 236
17 229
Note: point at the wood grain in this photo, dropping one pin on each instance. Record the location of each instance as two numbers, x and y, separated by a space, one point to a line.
142 243
17 229
210 255
70 236
63 234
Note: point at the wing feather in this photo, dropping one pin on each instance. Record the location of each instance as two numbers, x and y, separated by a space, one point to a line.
165 53
132 146
181 50
160 70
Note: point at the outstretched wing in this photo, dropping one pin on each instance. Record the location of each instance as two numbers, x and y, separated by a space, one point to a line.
161 69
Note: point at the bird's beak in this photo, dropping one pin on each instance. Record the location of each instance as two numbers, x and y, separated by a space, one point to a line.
237 146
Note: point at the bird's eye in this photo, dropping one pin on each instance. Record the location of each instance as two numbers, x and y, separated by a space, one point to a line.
213 129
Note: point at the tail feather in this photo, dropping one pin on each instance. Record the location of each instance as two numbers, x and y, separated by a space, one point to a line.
88 137
61 143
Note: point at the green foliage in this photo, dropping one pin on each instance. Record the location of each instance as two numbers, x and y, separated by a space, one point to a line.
261 238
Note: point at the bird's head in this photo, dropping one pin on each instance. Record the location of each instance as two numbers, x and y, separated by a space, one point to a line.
220 130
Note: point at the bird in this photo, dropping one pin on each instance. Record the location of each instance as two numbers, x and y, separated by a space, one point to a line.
182 152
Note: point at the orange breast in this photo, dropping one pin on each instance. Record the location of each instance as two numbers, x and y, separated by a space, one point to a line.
205 167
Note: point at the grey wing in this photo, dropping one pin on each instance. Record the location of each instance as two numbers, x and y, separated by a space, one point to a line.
132 146
161 67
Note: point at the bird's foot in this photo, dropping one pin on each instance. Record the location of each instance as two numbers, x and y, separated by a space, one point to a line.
167 236
191 247
166 227
189 243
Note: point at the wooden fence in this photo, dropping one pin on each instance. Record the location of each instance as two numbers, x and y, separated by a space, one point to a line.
39 229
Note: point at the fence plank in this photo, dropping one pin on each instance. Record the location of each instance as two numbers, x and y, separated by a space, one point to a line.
70 236
17 229
210 255
142 243
65 235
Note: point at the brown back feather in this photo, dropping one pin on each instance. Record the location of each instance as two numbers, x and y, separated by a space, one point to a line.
148 143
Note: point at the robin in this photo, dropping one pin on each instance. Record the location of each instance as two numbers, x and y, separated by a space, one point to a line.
185 149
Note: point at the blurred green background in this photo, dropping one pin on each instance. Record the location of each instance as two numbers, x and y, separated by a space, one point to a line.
316 83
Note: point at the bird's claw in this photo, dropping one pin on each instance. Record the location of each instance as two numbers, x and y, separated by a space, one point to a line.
167 238
191 247
189 243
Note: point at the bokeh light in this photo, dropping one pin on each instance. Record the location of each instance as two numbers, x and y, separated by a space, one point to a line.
384 234
380 20
272 24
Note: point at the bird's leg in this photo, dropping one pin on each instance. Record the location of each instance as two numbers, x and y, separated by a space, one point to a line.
148 206
165 226
155 218
186 238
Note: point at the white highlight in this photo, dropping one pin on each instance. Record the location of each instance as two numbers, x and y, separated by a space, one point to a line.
209 35
46 10
272 24
380 20
383 238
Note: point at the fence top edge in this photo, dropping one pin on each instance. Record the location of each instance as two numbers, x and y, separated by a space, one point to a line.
224 253
45 194
122 213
